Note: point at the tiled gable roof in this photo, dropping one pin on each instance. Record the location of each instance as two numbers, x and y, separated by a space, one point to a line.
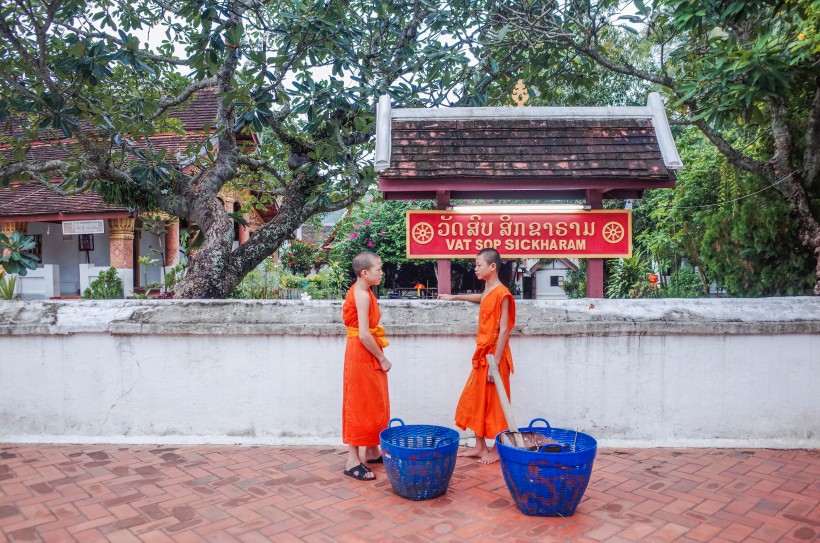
197 113
36 200
524 153
548 148
175 145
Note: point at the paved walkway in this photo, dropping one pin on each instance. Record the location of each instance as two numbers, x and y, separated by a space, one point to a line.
144 494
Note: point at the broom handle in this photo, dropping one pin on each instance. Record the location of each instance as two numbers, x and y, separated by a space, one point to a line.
505 402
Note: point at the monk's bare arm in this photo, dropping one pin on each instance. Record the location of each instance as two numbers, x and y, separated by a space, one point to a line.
369 342
475 298
503 333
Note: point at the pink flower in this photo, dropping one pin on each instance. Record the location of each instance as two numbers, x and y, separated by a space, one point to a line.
384 233
370 243
353 235
367 222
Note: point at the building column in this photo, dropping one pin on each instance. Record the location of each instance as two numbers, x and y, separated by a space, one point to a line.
445 283
121 242
172 242
595 266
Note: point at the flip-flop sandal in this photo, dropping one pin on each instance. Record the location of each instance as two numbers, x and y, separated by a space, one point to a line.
379 460
360 473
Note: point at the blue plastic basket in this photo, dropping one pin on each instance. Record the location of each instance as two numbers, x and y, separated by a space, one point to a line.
419 459
548 484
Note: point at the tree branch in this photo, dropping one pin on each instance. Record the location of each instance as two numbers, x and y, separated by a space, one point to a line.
15 169
225 165
261 164
737 159
166 103
143 52
37 64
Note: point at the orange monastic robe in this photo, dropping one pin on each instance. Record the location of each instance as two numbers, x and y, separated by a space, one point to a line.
479 407
365 398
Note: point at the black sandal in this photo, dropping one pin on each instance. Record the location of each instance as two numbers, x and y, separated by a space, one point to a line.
360 473
379 460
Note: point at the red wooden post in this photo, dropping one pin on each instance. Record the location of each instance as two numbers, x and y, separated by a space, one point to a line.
595 266
445 285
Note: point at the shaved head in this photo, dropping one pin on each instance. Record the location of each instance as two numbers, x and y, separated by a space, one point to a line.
364 261
490 256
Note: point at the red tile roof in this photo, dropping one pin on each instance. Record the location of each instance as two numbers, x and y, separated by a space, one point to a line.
549 148
197 113
175 145
36 202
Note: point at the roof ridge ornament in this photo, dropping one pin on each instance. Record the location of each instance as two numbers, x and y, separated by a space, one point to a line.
520 94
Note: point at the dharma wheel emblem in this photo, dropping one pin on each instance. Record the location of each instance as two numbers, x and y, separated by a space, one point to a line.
613 232
422 233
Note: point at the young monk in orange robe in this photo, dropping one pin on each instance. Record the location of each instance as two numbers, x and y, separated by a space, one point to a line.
365 398
479 407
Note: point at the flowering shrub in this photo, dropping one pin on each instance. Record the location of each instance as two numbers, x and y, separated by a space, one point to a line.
301 257
377 227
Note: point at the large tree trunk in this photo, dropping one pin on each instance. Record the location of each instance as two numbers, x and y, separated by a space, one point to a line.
808 230
205 277
791 181
215 270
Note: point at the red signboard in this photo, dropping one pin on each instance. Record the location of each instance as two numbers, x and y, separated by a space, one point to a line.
459 234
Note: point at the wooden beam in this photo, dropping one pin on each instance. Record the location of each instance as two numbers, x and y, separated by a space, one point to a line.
60 217
595 266
496 183
579 194
445 283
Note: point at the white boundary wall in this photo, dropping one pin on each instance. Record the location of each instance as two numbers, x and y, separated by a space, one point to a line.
717 372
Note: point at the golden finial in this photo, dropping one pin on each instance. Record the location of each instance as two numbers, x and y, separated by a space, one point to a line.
520 94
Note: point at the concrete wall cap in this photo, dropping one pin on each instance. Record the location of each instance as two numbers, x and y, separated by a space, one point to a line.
797 315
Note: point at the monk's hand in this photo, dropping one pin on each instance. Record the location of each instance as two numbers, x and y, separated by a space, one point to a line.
386 364
446 297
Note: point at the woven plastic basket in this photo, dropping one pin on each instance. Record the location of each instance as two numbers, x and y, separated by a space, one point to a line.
419 459
548 484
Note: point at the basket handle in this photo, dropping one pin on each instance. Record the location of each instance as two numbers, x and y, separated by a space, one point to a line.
553 447
443 442
547 424
390 424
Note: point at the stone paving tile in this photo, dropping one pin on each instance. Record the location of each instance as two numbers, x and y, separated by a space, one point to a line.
215 494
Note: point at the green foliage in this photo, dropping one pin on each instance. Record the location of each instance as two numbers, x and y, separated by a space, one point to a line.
735 55
627 276
575 281
745 74
718 220
752 250
334 281
263 282
269 281
174 275
107 286
300 77
301 257
685 282
7 286
14 253
330 283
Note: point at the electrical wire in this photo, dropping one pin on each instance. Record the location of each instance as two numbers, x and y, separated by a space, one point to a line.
706 206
